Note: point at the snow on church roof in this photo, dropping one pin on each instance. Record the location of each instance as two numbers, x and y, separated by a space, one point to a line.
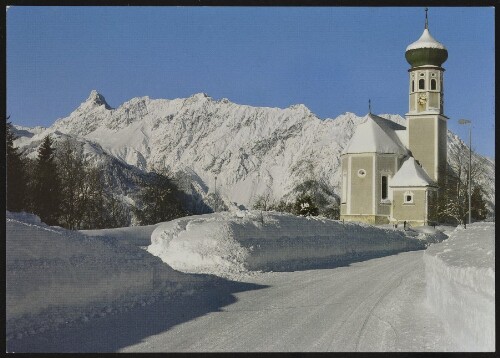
426 41
376 135
411 174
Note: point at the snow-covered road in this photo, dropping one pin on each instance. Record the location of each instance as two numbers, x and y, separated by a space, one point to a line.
373 305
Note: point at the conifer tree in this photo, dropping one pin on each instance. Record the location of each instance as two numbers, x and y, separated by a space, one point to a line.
16 179
46 193
478 204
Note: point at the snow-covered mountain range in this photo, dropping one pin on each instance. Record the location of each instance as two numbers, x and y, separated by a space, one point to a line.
211 145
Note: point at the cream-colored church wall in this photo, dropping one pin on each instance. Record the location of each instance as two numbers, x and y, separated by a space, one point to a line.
442 147
360 193
384 209
344 182
433 100
385 165
413 101
413 212
421 142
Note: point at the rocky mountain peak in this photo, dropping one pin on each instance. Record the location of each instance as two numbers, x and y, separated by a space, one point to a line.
200 96
97 99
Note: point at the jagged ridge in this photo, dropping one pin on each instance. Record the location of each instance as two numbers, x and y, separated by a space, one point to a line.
251 150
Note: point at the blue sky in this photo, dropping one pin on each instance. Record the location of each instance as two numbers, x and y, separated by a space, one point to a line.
331 59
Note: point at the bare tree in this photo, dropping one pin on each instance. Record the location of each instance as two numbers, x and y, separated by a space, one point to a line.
263 202
72 173
452 203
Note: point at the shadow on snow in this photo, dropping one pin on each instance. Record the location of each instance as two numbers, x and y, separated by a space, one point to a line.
113 332
330 262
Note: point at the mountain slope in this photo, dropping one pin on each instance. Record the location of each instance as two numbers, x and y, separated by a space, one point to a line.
244 151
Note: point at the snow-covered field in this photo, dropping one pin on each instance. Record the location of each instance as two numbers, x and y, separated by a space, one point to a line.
229 244
66 291
56 276
460 276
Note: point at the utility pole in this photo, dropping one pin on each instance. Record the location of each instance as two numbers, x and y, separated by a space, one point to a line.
216 198
470 161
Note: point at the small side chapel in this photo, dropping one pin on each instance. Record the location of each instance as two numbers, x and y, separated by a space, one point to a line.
390 172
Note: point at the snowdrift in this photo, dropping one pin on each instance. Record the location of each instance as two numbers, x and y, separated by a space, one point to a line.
460 275
55 276
229 243
135 235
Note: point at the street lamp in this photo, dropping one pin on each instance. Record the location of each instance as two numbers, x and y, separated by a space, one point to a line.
216 198
466 121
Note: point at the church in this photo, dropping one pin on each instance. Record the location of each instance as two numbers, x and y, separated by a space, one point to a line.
390 173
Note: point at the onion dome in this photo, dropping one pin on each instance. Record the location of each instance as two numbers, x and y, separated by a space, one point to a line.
426 50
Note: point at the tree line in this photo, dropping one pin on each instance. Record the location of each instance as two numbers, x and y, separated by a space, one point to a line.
310 201
63 188
452 204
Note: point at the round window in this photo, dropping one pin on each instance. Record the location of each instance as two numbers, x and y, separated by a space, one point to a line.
361 173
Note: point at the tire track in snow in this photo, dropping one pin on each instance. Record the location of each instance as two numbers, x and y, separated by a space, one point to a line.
368 274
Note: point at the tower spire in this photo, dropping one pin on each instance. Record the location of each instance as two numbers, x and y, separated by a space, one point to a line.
426 20
369 106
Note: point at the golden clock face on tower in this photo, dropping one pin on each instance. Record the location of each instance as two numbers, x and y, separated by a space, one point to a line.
422 98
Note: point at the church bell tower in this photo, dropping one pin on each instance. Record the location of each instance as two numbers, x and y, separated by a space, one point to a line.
427 127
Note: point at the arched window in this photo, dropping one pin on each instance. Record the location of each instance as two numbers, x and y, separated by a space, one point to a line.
421 83
413 85
408 197
384 187
433 84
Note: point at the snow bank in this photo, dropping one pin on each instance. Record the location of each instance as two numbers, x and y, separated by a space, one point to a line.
55 276
460 275
135 235
229 243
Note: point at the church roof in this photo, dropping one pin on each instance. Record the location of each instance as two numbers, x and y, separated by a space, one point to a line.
426 41
376 135
411 174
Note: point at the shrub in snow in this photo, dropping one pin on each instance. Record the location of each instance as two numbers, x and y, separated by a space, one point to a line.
305 206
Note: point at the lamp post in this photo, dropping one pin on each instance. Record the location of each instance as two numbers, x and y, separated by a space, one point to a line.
216 197
466 121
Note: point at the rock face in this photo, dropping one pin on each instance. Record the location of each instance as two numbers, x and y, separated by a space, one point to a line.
211 145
